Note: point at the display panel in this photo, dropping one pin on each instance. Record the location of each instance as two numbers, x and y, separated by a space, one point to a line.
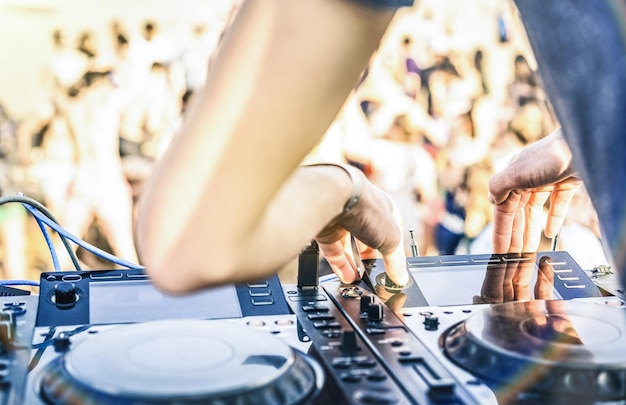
134 301
460 284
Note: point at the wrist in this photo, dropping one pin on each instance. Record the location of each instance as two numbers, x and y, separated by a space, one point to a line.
357 183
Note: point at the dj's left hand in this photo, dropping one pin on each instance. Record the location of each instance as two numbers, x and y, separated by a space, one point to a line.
540 171
374 221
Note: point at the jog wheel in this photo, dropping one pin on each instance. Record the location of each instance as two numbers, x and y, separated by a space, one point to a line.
181 362
571 350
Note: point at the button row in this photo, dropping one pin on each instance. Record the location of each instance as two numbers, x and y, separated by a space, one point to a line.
353 362
563 275
321 316
261 293
478 259
355 376
378 396
259 323
315 307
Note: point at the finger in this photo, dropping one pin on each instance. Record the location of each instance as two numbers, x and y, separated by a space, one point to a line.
544 287
499 189
477 299
559 203
491 290
394 257
340 262
534 219
522 280
344 269
396 265
519 222
508 291
504 215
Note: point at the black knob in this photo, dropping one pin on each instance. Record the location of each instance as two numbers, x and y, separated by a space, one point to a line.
366 300
431 322
62 343
65 294
375 312
349 344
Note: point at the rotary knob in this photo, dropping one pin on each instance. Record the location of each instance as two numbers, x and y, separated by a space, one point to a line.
349 344
366 301
65 295
375 313
431 322
62 343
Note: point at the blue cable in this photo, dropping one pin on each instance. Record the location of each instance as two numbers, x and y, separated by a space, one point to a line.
21 198
82 243
19 282
53 252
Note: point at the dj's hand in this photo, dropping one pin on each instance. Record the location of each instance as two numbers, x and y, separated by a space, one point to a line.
511 281
374 221
519 192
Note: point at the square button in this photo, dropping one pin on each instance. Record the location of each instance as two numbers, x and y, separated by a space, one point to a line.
261 284
261 292
262 301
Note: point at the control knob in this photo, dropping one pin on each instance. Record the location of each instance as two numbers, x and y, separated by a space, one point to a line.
349 345
431 322
375 313
65 295
366 301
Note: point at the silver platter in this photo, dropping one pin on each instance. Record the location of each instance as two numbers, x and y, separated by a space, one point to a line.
182 362
570 349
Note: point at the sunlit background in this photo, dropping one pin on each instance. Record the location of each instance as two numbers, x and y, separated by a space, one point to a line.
92 90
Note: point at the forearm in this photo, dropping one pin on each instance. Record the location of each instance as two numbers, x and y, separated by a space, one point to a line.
307 201
216 199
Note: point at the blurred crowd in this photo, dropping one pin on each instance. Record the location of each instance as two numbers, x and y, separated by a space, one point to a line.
449 97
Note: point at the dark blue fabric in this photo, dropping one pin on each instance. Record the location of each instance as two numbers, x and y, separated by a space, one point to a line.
447 240
581 54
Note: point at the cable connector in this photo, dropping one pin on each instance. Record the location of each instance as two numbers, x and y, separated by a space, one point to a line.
602 269
414 249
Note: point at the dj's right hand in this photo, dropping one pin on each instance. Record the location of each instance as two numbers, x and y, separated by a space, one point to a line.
540 171
376 222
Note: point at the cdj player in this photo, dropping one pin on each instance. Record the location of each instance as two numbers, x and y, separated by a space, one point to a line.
531 329
476 329
110 337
